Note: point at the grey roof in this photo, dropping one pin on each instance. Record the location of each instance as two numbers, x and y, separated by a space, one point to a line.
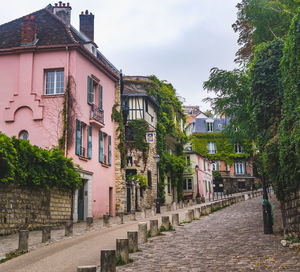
199 124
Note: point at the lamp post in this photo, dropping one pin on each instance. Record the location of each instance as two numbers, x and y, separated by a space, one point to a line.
156 159
267 210
198 198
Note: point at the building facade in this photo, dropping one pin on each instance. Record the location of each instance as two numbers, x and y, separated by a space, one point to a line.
137 187
58 90
232 160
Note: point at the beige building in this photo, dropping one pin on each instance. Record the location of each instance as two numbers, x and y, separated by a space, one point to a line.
137 187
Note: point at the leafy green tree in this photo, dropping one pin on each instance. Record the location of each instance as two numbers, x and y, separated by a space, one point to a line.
261 21
7 159
289 135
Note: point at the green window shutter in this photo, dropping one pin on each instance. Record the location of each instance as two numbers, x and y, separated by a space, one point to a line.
109 150
78 137
101 147
90 91
101 97
89 146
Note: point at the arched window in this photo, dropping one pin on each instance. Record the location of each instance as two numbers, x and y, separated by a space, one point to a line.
23 135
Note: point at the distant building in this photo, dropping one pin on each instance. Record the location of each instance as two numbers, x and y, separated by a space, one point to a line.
206 138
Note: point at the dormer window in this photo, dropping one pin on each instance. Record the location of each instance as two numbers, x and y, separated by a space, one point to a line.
209 125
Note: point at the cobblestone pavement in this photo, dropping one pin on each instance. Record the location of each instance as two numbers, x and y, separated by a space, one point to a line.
231 239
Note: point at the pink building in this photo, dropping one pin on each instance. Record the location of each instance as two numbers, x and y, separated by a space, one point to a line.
56 88
199 175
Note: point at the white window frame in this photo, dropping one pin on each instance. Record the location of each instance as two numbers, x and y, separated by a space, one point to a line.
186 183
238 148
239 168
210 126
211 148
55 91
215 166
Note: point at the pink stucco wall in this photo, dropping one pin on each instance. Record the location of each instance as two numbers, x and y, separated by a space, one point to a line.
24 105
204 175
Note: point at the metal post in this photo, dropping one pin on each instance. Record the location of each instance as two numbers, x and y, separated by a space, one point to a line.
157 198
267 213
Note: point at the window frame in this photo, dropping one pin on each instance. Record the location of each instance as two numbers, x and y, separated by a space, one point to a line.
238 166
46 71
209 144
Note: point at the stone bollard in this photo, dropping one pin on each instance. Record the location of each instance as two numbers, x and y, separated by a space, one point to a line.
23 240
165 222
106 220
192 214
88 268
188 216
142 235
175 219
153 210
121 215
132 241
122 250
197 213
69 228
154 227
180 204
89 222
108 260
46 234
132 216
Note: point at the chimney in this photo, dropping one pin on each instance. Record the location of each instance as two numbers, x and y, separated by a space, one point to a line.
28 30
87 24
63 11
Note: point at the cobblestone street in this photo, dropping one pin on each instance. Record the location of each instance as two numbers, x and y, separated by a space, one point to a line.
231 239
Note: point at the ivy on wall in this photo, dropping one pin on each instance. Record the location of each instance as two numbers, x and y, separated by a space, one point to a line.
30 166
224 147
169 117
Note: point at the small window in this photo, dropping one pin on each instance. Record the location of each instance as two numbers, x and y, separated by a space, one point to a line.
215 166
209 126
239 168
149 177
188 184
188 160
54 82
241 185
211 148
24 135
238 148
146 105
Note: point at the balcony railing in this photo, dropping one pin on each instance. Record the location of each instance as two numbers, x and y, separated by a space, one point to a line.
97 115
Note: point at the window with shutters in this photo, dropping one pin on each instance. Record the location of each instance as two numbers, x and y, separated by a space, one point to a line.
105 148
95 99
83 140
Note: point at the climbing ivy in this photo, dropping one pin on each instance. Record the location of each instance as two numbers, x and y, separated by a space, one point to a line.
170 117
138 129
224 147
117 116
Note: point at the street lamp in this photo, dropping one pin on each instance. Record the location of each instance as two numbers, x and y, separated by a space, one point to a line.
156 159
198 198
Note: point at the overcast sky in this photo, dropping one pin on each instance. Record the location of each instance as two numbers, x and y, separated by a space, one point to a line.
176 40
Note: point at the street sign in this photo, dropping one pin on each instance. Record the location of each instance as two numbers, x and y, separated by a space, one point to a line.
149 136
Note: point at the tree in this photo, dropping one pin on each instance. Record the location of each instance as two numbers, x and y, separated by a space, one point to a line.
261 21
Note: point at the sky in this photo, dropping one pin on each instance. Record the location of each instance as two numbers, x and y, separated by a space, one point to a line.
176 40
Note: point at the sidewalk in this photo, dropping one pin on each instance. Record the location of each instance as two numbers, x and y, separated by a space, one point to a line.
64 253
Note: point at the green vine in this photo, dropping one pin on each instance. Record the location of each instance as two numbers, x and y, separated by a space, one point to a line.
170 119
138 128
117 116
224 147
62 139
140 179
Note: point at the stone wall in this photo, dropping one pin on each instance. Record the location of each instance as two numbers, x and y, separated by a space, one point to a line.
25 208
292 214
235 185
